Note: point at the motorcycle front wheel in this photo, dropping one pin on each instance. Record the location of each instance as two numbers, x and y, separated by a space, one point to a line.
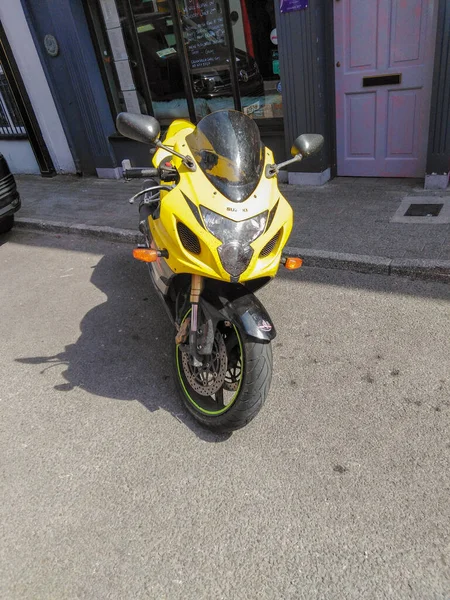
228 391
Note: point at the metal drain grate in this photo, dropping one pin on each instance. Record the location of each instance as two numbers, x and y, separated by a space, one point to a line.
431 210
423 210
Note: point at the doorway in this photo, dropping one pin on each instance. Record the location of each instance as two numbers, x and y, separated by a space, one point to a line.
384 57
14 143
21 140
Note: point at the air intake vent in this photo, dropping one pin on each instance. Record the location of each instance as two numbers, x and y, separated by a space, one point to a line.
188 239
270 246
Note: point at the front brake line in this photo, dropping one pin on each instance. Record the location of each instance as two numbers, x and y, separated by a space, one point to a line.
155 187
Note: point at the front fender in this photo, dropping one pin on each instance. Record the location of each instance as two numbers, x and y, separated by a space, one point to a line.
249 313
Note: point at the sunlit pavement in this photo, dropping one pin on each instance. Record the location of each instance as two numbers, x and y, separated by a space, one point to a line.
339 489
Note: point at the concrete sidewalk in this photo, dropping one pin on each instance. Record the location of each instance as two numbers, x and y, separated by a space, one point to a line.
346 223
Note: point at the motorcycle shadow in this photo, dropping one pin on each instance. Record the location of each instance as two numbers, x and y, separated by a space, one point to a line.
125 348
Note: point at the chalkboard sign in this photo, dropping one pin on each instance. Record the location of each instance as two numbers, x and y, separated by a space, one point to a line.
204 32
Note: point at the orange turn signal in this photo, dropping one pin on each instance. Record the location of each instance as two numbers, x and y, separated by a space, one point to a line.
145 254
293 263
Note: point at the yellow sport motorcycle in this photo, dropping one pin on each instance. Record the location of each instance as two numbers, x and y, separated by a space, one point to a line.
215 225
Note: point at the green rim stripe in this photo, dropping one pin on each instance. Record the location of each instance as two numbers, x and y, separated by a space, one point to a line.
228 406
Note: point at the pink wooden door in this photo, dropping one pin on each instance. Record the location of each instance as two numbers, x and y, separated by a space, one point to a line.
382 122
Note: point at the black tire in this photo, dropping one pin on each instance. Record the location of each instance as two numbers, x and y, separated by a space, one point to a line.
6 224
254 387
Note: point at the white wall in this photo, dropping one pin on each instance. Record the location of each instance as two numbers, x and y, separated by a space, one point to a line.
26 56
20 156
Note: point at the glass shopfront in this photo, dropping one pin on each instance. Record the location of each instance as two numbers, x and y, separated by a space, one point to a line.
191 57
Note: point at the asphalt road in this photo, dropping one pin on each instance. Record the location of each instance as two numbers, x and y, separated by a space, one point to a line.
340 489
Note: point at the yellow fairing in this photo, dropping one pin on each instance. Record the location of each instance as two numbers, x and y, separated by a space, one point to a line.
177 127
195 187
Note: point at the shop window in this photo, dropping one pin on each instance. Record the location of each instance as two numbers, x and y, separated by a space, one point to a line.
205 56
254 32
208 52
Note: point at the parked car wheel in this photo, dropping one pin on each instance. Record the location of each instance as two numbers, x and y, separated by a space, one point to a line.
6 224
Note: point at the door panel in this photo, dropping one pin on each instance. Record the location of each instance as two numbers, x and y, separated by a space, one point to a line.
382 130
401 114
406 31
362 42
361 109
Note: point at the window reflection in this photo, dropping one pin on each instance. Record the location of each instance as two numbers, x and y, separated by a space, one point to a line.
254 29
202 21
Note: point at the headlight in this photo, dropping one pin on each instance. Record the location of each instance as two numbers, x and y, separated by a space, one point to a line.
235 257
227 230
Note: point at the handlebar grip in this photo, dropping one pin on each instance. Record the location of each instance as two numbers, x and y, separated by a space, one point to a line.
137 173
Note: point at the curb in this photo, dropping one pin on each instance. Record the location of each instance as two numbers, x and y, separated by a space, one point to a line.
112 234
432 270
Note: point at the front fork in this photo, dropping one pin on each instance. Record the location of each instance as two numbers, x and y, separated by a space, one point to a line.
196 290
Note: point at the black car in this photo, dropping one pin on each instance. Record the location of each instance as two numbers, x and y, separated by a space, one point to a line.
9 196
208 56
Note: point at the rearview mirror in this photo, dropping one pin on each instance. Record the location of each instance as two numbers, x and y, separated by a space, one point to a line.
141 128
307 144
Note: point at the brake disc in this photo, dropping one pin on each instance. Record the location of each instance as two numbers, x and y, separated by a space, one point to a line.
210 377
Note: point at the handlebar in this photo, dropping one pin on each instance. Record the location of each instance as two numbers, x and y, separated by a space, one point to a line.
130 172
137 173
164 173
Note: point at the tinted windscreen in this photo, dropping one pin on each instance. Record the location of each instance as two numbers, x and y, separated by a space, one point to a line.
227 147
